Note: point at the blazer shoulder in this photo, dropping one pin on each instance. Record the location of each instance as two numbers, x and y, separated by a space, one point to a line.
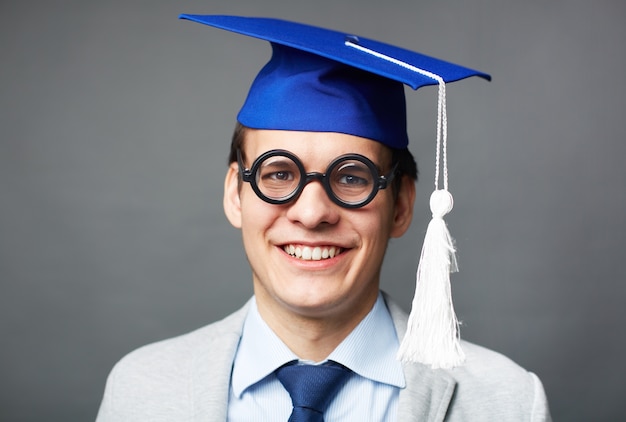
166 377
487 387
490 380
176 348
188 343
481 360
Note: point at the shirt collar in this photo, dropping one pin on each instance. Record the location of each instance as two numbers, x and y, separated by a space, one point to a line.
260 352
369 350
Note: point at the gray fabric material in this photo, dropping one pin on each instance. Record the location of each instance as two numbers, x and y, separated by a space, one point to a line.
487 387
187 378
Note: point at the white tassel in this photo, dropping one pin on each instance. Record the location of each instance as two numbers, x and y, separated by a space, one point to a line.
432 335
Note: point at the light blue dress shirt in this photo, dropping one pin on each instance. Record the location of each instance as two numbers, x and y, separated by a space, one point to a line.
370 394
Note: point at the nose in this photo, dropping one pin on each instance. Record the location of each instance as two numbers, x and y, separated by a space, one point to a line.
313 207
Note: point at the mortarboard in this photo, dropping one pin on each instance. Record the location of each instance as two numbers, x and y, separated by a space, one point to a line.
322 80
332 83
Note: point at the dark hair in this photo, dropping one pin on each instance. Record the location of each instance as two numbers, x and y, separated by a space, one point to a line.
406 163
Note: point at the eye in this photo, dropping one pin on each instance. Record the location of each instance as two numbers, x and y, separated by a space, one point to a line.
274 173
352 180
279 176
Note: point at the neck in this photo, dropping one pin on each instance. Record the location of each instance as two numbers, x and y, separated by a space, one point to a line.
309 337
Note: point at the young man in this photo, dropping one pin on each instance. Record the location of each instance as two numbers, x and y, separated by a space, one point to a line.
320 178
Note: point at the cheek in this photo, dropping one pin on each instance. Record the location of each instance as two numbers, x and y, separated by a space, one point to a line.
381 218
256 214
374 229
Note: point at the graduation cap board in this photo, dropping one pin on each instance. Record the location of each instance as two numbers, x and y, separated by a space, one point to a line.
322 80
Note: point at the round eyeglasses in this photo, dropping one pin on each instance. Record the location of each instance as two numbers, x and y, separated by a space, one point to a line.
278 177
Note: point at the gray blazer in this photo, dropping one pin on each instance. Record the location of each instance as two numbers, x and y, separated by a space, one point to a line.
187 378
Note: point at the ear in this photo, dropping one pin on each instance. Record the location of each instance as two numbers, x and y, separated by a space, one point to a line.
403 211
232 203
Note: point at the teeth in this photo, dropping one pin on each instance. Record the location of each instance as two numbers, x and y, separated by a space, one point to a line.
308 253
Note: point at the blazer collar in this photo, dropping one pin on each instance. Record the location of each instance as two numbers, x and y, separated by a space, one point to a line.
429 391
213 367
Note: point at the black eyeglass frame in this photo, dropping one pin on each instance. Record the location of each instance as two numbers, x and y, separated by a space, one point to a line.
380 181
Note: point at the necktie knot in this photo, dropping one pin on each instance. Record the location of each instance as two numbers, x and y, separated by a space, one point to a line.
311 387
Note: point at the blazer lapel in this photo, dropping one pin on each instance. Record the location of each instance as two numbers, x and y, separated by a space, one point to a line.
427 394
213 364
428 391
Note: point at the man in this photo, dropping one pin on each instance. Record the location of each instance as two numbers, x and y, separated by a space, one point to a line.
320 178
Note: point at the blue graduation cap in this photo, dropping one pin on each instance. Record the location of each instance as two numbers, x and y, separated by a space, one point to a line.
322 80
319 80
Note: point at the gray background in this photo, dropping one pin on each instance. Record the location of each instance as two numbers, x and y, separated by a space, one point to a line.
115 119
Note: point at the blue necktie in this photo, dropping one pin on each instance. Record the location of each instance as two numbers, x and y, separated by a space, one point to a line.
311 387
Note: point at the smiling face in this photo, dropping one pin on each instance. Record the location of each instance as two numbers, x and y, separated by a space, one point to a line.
312 258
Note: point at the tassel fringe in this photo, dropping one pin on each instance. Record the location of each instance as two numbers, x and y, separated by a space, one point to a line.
432 335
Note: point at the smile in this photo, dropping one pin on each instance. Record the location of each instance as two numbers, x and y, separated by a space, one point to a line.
315 253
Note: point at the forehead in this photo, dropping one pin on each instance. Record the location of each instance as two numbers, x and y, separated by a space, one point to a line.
313 147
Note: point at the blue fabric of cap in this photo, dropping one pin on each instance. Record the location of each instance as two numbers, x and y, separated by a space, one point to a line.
315 82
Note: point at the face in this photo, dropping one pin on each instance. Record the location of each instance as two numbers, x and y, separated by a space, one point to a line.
311 257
